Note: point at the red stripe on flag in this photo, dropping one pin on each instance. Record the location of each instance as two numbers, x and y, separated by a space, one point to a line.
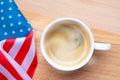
24 49
8 44
4 62
32 67
2 77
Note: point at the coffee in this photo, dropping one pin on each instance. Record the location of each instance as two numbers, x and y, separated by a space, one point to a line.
67 44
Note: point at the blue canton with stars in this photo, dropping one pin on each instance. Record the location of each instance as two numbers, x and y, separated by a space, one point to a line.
12 23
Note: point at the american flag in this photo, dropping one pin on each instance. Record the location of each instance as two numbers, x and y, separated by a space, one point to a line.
18 58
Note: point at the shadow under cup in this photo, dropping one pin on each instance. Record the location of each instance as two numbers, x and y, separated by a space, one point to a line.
67 44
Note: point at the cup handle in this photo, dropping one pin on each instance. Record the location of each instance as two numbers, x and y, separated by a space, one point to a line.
102 46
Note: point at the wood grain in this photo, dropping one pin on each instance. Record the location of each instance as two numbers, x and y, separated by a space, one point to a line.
105 14
101 14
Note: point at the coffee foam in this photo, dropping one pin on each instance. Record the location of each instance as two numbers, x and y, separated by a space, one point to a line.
67 44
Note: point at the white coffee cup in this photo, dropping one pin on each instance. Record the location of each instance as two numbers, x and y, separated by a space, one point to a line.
93 45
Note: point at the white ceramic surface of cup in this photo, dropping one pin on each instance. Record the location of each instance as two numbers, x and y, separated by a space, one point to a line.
93 45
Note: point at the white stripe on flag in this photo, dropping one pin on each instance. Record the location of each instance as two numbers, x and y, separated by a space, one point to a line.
16 47
3 42
29 57
17 67
6 73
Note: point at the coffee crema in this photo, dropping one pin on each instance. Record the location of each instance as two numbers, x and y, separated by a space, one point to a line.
67 44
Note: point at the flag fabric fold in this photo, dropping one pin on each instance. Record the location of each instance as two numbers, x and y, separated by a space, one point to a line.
18 58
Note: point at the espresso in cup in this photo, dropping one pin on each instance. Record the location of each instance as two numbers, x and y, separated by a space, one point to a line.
67 44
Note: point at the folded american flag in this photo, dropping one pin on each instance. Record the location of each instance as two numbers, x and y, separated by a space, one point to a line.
17 48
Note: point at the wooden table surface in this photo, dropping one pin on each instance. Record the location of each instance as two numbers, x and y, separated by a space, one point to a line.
103 18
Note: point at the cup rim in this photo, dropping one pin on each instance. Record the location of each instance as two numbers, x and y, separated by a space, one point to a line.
66 68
